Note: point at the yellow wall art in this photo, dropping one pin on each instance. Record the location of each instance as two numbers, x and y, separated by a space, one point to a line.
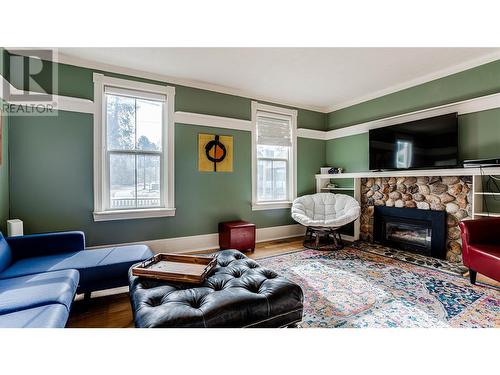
215 153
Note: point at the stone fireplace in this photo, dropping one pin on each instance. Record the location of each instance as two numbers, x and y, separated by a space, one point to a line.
449 194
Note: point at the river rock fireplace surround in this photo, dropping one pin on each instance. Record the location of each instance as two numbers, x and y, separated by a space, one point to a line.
451 195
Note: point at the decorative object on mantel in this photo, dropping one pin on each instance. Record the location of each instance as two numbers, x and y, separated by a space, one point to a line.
447 193
331 170
215 153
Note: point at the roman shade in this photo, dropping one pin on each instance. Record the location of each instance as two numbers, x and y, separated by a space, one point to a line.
274 129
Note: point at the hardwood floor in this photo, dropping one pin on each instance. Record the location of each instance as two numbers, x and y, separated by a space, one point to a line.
111 309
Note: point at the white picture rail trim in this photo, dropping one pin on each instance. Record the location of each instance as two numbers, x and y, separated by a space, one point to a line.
60 102
482 103
478 104
212 121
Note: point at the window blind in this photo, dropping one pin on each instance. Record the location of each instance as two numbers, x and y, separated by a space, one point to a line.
274 130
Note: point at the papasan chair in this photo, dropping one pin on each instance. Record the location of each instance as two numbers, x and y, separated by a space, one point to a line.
324 214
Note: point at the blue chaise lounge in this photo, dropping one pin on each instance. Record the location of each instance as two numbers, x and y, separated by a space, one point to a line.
41 273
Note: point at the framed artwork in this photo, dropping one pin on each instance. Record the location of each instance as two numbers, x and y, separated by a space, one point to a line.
215 153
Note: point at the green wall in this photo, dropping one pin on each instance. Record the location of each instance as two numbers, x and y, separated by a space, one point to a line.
4 167
350 153
4 66
77 82
479 81
479 133
47 199
51 158
479 137
310 158
4 174
51 176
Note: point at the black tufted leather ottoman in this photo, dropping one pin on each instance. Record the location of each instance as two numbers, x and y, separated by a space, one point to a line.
238 293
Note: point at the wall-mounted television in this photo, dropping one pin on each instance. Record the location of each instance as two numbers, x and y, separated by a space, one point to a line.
426 143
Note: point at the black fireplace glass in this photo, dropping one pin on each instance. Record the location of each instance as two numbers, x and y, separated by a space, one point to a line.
408 234
411 229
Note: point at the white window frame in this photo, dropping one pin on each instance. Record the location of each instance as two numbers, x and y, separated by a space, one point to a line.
292 170
101 181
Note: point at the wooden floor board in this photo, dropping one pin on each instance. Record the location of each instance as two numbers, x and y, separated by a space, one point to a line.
111 309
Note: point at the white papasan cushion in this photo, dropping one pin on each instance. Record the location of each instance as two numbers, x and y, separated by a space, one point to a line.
325 210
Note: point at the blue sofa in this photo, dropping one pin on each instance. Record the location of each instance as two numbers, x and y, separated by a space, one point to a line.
41 273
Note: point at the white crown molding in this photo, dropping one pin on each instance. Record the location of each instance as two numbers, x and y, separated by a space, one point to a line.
67 103
70 60
211 241
417 81
482 103
478 104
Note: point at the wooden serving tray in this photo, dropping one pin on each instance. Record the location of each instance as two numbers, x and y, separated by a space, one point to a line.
177 268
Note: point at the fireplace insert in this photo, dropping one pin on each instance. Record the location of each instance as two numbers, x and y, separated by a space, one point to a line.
411 229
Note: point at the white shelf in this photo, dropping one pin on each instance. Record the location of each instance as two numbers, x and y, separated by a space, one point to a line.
486 193
416 173
338 188
490 214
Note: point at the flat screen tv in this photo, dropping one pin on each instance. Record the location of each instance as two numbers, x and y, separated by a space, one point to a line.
427 143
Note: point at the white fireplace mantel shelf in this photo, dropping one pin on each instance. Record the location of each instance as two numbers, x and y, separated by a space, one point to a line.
416 173
479 207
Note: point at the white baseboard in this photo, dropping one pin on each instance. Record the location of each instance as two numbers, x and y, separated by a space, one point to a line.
211 241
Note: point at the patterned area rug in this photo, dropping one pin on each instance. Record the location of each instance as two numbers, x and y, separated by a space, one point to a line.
353 288
419 260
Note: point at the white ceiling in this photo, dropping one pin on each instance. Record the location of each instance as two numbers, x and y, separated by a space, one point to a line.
317 78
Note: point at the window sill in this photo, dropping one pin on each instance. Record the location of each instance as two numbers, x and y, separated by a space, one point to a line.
270 206
133 214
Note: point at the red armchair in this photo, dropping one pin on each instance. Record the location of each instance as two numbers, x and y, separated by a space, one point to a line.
481 247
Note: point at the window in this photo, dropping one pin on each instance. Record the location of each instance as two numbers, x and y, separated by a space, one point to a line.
404 154
133 168
274 168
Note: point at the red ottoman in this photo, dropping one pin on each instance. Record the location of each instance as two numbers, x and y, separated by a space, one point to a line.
239 235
